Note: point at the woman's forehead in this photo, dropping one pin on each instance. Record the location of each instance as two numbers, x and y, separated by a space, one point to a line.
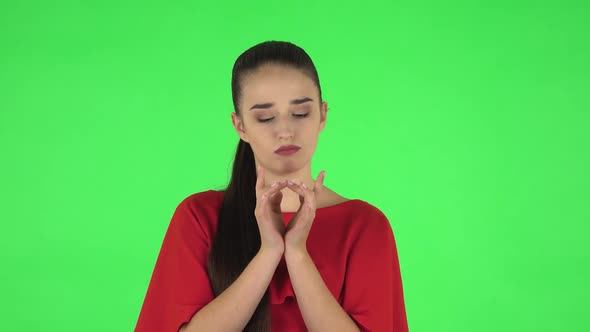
281 91
271 75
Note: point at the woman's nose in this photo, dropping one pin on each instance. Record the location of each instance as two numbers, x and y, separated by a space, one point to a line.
284 128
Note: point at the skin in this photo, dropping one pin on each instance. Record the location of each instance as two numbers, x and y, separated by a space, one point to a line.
279 84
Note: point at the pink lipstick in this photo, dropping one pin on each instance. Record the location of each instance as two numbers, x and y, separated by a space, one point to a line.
287 149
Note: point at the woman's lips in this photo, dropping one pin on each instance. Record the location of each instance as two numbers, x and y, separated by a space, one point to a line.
287 151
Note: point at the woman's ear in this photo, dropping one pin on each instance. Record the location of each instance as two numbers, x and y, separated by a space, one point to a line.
239 126
323 115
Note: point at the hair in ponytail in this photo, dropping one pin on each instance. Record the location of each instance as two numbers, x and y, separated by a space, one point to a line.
237 239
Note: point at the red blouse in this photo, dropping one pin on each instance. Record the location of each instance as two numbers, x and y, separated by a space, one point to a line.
351 244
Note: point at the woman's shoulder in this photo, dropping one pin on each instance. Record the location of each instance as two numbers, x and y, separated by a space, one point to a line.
203 205
363 209
354 205
205 197
365 221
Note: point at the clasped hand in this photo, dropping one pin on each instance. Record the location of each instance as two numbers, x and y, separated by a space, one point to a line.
273 233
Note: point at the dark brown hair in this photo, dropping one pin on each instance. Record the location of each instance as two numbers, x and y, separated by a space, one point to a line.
238 239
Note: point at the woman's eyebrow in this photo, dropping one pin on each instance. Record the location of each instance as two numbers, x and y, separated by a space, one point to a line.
293 102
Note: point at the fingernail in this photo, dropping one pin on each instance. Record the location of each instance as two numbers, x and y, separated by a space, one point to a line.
274 184
304 185
289 182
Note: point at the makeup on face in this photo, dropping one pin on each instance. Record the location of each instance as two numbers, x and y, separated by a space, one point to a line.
300 114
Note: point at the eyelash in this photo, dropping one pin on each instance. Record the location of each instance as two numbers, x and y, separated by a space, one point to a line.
301 116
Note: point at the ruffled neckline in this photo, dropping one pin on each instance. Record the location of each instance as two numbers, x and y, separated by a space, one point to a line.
280 286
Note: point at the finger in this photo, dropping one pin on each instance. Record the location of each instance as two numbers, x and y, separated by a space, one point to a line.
276 198
319 182
277 186
303 192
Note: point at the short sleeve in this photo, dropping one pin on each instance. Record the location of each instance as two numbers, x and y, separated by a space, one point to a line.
373 293
179 286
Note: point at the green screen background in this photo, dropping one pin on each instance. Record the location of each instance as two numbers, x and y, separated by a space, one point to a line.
466 123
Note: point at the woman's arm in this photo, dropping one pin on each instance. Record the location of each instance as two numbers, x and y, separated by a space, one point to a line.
232 309
320 310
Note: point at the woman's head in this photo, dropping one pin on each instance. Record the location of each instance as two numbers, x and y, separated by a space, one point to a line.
277 101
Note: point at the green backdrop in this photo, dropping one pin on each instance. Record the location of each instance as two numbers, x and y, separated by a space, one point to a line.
466 123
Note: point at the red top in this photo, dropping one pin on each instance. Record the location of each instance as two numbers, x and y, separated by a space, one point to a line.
351 244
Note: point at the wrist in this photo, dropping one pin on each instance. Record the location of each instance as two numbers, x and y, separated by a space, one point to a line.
295 253
274 252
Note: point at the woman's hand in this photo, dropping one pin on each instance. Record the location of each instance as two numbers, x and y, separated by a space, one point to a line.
298 228
268 213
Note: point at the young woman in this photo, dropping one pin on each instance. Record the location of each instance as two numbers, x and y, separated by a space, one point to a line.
276 250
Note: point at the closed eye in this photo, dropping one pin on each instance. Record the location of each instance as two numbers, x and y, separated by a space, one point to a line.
295 115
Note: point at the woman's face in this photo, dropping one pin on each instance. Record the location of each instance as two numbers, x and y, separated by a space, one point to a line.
280 106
